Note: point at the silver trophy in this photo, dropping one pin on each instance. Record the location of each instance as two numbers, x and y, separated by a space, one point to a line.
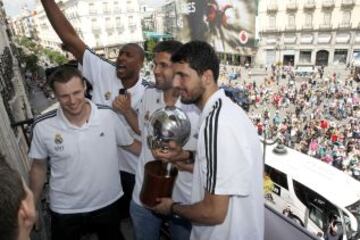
166 124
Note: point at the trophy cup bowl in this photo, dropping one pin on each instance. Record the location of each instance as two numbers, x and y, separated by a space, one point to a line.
166 124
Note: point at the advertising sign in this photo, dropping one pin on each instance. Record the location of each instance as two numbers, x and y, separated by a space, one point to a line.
228 25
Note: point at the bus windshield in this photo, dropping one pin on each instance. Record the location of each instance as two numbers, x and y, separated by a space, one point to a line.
355 210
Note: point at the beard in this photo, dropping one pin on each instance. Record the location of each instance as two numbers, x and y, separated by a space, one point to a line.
194 97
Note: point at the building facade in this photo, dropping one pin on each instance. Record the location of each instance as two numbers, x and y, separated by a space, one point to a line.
14 105
308 32
103 25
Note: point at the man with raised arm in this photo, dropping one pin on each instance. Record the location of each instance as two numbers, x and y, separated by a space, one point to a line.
107 79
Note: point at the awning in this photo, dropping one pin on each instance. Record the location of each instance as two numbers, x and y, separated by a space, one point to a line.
342 38
290 39
307 38
324 38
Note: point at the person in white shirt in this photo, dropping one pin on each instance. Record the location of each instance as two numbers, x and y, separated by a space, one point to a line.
79 141
227 194
147 224
107 79
17 208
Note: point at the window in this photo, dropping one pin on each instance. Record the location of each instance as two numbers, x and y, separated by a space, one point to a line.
305 56
291 20
308 19
346 17
327 18
106 8
272 21
340 56
277 176
92 8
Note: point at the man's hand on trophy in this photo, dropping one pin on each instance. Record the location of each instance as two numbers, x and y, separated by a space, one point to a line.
170 152
164 206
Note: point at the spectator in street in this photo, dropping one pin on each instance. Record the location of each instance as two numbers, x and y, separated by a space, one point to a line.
227 194
107 79
17 209
79 141
147 225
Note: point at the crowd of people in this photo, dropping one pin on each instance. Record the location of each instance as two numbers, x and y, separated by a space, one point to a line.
318 115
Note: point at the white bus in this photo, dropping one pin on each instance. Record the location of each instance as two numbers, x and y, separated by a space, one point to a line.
313 191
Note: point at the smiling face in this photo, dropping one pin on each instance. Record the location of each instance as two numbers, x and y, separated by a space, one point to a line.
129 62
189 83
163 70
71 96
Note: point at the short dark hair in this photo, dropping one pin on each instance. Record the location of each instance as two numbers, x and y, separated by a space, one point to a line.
12 192
63 74
168 46
138 49
200 56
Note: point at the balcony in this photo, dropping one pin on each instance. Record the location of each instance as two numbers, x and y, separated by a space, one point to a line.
107 11
347 3
272 7
325 26
270 30
290 28
96 29
344 26
328 4
309 5
307 27
291 6
92 12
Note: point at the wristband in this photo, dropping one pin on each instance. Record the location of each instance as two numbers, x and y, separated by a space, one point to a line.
172 207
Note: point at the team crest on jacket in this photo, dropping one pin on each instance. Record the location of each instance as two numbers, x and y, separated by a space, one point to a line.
107 95
58 139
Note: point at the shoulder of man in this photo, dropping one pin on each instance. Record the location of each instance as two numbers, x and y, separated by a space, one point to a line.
101 58
44 117
147 84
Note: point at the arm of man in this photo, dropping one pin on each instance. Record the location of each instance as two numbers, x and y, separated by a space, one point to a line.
134 148
211 210
64 29
122 104
37 177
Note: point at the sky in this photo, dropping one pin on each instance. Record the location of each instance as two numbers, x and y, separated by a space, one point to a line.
13 7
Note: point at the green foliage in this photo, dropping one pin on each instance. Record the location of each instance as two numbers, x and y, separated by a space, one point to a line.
55 57
31 63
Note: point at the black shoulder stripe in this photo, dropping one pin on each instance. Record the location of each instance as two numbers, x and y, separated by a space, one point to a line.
147 84
102 106
47 115
102 58
41 118
211 144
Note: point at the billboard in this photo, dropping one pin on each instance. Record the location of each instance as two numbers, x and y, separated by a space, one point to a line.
228 25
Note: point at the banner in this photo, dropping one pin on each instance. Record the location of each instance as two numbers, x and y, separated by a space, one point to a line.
228 25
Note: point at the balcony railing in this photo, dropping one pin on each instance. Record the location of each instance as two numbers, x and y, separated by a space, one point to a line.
272 7
347 3
309 5
291 6
325 26
96 29
344 25
307 27
328 3
290 28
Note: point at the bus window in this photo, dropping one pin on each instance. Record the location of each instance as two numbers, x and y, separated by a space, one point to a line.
317 216
276 176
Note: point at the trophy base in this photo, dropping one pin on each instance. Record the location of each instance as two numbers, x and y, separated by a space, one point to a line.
157 183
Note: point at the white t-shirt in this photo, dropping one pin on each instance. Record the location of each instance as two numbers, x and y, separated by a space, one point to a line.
228 162
101 73
153 99
83 160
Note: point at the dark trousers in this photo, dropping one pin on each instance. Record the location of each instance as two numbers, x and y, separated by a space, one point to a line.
104 222
128 182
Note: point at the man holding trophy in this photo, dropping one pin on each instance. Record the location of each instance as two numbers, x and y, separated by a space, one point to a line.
146 223
227 198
